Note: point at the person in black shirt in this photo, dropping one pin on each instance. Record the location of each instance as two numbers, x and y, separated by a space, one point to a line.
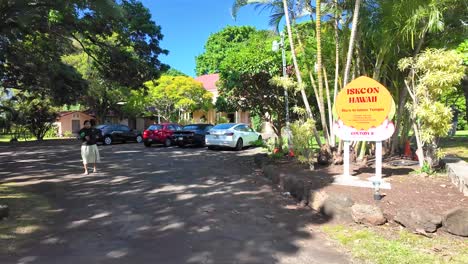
89 150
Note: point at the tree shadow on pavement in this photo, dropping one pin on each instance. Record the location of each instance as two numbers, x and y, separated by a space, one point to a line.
162 205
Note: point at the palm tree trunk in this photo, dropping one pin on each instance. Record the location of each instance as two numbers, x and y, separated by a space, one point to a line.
337 65
351 41
298 72
319 68
331 140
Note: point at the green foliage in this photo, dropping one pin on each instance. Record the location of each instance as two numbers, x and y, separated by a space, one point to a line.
218 45
36 36
174 72
67 134
303 139
52 132
257 123
258 143
221 120
462 49
35 114
171 95
245 79
436 71
223 105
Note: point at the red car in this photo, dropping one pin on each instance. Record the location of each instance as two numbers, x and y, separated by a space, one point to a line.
160 134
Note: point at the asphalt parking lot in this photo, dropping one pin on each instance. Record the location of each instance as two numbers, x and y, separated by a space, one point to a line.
160 205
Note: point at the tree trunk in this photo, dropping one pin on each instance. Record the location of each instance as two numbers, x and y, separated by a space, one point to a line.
331 139
403 96
465 91
318 35
337 65
351 41
298 73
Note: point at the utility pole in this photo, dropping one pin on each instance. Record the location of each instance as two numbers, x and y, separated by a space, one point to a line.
286 99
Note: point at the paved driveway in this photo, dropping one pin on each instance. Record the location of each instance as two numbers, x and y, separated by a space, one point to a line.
161 205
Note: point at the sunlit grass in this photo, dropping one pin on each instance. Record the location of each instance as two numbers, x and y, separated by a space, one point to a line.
456 145
384 246
6 138
27 211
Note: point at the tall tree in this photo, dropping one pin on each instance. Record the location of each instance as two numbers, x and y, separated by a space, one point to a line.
246 80
171 95
276 17
217 45
87 22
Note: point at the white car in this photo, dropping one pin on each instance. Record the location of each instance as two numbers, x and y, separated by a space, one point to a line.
231 135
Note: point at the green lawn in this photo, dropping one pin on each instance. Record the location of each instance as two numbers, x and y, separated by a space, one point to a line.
456 145
27 213
385 246
7 138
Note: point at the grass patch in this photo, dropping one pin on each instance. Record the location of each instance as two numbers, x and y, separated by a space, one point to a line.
7 138
27 212
381 246
456 145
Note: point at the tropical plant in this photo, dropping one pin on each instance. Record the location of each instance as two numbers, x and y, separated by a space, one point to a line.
172 96
430 74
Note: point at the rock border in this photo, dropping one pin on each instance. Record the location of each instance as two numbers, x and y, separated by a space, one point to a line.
343 209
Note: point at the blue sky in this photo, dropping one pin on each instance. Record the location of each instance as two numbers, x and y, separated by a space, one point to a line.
187 24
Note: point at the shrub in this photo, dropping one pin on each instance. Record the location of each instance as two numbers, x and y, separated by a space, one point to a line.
221 119
52 132
67 134
303 138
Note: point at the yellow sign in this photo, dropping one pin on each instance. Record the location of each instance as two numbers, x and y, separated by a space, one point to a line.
363 104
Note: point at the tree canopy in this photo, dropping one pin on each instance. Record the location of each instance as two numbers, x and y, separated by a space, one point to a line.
36 34
171 95
218 45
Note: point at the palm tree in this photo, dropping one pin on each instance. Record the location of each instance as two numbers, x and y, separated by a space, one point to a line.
274 4
352 39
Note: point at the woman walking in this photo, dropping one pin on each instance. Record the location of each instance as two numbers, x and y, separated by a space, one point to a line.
89 150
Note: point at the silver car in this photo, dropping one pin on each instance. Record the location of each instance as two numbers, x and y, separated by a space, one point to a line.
231 135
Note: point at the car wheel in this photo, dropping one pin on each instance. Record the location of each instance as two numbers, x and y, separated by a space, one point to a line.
167 142
211 147
239 144
147 144
107 140
139 139
259 138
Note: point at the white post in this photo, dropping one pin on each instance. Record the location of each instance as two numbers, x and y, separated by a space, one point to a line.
378 161
346 159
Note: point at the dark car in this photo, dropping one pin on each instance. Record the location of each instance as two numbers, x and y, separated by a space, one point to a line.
118 133
160 134
193 134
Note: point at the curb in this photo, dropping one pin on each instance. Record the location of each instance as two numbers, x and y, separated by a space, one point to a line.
457 170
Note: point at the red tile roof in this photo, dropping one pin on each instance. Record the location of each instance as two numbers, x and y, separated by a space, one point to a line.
209 81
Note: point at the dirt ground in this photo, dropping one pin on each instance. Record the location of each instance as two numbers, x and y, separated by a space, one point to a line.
434 193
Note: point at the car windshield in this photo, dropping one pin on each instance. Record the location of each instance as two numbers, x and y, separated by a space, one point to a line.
223 126
155 127
192 127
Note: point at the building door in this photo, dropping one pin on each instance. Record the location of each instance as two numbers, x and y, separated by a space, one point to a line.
75 126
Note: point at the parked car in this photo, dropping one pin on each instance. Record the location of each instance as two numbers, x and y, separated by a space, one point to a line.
193 134
160 134
231 135
117 132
